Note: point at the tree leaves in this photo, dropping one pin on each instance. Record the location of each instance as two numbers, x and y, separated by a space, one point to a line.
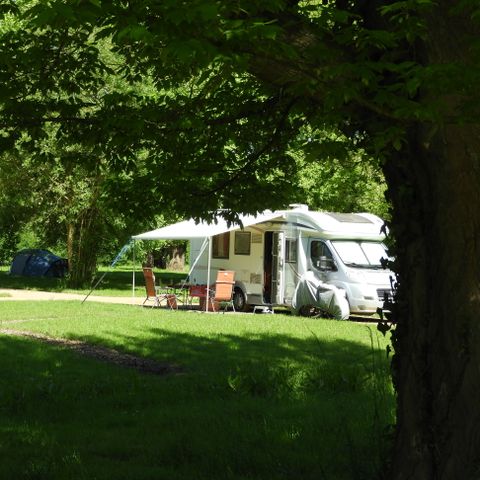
221 88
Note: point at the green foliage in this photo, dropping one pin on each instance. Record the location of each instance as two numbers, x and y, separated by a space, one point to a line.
228 130
219 74
348 186
112 101
334 175
15 206
69 199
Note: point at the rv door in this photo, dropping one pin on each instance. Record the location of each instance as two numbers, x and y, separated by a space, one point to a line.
277 267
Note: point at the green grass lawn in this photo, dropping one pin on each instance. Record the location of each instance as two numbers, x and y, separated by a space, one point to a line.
117 282
260 396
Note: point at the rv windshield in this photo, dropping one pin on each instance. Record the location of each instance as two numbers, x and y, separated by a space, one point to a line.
360 254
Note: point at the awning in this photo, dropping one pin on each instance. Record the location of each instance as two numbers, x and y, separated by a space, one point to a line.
189 229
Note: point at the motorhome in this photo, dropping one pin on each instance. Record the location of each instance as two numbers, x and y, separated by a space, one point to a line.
275 251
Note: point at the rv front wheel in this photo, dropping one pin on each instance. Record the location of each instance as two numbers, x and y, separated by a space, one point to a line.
239 301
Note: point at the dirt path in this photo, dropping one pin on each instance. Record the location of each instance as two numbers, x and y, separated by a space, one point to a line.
103 354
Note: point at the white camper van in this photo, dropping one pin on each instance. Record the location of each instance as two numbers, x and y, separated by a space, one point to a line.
277 251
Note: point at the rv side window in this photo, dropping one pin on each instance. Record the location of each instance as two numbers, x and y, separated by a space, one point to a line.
221 245
242 243
290 250
321 256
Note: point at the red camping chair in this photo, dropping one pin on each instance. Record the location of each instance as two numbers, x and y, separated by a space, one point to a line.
222 294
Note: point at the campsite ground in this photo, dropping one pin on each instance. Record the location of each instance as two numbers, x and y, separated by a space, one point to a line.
248 396
269 392
21 294
114 283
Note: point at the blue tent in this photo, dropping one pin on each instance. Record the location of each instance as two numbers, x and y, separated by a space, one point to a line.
38 263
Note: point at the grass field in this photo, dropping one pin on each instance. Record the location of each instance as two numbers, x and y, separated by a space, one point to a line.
260 396
116 282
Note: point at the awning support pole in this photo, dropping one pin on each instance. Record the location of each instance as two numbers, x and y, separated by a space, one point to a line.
133 273
117 258
209 264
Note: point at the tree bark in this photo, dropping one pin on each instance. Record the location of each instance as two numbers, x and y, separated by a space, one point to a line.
437 342
82 247
435 192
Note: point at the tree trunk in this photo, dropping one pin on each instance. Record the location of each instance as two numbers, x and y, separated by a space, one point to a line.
435 191
437 342
82 247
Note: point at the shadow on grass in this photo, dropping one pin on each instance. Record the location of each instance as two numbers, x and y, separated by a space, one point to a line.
217 353
31 283
258 407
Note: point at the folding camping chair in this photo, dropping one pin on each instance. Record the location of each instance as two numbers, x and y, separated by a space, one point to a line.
155 294
222 294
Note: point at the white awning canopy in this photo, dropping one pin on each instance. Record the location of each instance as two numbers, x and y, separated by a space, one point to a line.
189 229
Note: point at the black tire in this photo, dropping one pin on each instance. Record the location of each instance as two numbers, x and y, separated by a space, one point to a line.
308 311
311 311
239 300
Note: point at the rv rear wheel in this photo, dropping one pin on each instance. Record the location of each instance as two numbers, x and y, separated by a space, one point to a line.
307 311
311 311
239 301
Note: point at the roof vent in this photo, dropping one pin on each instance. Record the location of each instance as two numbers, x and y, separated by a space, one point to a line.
299 206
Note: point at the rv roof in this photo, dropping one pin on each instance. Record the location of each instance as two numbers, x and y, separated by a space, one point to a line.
348 217
340 225
331 224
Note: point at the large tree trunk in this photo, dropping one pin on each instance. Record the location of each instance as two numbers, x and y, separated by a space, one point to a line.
437 364
82 248
435 190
